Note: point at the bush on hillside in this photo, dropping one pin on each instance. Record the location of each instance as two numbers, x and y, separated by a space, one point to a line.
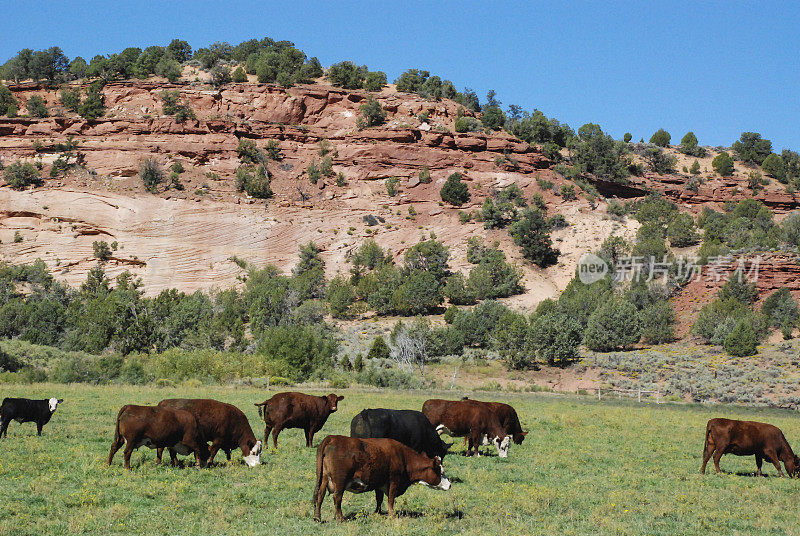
532 233
20 175
742 340
752 148
612 326
371 114
239 76
661 138
37 107
454 191
723 164
151 173
556 338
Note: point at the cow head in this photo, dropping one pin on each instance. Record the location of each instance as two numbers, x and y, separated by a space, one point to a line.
333 401
53 403
444 447
433 475
502 444
519 438
254 458
792 466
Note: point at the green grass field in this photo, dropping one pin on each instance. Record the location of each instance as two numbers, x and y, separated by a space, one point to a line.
587 467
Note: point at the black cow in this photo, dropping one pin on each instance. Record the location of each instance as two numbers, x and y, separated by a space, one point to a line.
25 410
409 427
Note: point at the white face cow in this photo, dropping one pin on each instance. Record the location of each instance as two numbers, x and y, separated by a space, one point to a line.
438 468
255 455
53 403
502 446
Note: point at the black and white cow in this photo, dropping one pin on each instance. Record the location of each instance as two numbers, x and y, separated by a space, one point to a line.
25 410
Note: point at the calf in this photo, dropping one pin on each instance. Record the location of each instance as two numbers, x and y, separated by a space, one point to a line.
748 438
24 410
508 419
223 424
296 410
409 427
155 428
384 466
468 418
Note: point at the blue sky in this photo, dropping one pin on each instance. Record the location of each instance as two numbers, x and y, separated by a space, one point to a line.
717 68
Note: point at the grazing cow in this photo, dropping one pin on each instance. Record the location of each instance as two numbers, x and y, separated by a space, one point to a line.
748 438
409 427
508 419
468 418
296 410
225 425
384 466
158 427
24 410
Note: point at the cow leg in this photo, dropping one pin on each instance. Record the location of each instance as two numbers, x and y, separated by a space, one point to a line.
228 454
774 460
323 488
469 446
391 496
307 433
215 446
39 427
115 446
4 428
717 456
275 432
267 430
709 450
128 452
378 501
759 461
338 493
173 456
159 454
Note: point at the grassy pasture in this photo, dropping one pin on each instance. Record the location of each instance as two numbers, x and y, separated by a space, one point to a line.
587 467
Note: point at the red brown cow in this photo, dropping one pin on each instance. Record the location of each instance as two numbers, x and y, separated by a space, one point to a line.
154 427
748 438
508 419
296 410
468 418
384 466
225 425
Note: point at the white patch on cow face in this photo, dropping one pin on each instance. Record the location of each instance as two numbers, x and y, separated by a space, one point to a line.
443 484
502 446
255 455
53 403
442 429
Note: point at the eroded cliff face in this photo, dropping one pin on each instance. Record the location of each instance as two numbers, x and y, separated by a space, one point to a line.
189 239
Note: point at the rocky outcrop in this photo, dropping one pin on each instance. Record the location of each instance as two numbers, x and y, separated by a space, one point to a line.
186 238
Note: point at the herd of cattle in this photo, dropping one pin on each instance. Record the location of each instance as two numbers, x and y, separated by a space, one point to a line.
388 450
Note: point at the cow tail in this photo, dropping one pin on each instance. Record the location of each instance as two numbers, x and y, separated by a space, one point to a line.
116 427
262 408
708 436
320 459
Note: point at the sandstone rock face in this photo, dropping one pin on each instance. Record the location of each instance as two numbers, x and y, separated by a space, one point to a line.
188 238
769 271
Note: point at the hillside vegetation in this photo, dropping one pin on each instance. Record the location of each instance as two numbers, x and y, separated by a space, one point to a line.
246 200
